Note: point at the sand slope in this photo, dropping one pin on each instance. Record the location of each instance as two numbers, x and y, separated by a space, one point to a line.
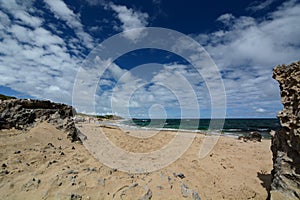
44 164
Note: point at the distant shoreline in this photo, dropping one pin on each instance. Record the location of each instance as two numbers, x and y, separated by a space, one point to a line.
230 132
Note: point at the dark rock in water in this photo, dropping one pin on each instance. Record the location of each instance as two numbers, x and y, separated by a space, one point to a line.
24 113
253 136
286 141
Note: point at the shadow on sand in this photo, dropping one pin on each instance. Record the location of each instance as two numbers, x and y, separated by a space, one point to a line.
266 181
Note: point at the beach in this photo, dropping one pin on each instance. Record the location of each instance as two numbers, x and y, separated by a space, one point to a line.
43 164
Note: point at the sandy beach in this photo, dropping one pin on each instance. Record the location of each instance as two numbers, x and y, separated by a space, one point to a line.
43 164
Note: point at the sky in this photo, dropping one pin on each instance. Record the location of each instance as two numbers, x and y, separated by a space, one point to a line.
45 43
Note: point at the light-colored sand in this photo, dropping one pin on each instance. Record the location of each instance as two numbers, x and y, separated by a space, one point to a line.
35 170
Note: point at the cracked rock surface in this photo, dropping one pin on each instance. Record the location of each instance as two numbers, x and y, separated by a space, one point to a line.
286 142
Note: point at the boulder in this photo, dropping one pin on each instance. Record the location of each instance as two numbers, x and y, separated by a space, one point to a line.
253 136
286 141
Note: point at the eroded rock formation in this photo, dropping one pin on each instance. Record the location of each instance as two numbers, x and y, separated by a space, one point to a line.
24 113
286 142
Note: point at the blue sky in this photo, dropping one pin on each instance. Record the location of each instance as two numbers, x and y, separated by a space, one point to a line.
43 44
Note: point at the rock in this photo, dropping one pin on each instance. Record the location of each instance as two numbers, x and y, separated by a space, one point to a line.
286 141
160 187
31 185
50 145
17 152
253 136
24 113
101 181
72 172
147 195
75 197
185 191
50 163
180 175
4 172
196 196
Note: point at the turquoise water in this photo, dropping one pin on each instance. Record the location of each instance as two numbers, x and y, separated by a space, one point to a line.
230 127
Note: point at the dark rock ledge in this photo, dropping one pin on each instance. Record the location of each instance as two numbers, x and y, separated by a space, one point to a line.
25 113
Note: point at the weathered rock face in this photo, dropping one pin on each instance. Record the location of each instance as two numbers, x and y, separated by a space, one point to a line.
23 113
286 142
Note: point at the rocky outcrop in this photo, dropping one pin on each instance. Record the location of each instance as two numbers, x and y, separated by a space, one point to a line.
252 136
24 113
286 141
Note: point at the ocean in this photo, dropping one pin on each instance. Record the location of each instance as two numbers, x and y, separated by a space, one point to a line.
233 127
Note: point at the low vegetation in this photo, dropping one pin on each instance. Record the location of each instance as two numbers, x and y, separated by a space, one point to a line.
4 97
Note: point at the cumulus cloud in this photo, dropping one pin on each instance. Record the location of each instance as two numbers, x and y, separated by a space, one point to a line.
247 50
131 93
250 41
62 12
130 19
226 18
35 58
19 13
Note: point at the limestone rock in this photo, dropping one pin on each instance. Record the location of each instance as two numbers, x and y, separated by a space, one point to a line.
24 113
253 136
286 142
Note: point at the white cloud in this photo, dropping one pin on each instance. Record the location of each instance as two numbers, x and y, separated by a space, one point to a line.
257 42
247 50
260 110
172 86
5 21
258 5
61 11
34 59
17 10
28 19
130 19
226 18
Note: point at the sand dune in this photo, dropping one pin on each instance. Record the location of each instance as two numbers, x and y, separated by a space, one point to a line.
43 164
